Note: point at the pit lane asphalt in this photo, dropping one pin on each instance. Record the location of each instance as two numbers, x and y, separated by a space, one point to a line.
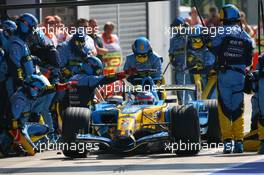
210 161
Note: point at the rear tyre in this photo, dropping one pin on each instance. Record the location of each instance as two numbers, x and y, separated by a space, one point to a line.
76 120
185 130
213 134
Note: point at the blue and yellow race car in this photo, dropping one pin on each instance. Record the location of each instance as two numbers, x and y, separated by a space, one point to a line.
142 117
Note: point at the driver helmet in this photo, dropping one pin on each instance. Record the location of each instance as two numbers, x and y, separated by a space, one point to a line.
144 98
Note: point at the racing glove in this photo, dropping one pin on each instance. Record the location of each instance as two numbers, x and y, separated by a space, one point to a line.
66 72
15 124
66 86
62 86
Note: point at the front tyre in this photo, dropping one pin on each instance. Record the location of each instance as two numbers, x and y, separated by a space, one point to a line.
76 120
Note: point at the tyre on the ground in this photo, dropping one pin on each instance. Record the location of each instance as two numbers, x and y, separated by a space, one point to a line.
213 134
76 120
185 130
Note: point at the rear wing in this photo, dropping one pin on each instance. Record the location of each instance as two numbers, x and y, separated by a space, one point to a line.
190 87
172 98
139 88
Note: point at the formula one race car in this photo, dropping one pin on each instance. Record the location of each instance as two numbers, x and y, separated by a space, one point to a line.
124 126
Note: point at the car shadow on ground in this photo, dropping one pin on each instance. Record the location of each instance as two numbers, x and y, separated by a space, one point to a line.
116 168
135 156
250 154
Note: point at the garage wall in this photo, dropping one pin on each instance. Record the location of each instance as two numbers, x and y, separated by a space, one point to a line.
67 14
130 21
12 13
159 20
132 24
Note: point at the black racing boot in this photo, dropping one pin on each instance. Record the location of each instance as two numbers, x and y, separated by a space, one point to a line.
238 147
261 149
227 146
